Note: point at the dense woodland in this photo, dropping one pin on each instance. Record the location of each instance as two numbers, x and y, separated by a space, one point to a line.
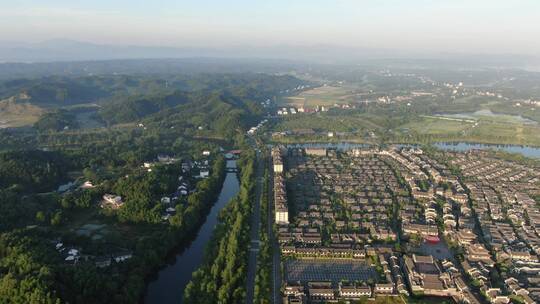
208 105
56 121
33 272
193 114
64 90
33 170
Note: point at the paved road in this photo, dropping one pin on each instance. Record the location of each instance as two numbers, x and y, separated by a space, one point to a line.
276 268
254 233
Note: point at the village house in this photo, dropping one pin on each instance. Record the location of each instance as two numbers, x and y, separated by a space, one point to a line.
112 201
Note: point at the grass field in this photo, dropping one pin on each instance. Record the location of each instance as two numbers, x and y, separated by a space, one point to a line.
420 129
321 96
503 129
436 126
326 122
488 115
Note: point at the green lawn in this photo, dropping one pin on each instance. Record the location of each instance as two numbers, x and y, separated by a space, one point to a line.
325 122
436 126
321 96
494 131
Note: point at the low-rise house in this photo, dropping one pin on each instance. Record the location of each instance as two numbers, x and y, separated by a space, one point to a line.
321 291
122 256
112 201
387 288
524 255
494 295
103 261
353 292
87 185
478 253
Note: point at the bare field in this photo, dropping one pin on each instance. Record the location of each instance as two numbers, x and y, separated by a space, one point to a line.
15 114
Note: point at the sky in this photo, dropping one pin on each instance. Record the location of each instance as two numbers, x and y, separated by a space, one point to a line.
463 26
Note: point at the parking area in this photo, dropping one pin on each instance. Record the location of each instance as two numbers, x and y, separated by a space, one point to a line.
332 270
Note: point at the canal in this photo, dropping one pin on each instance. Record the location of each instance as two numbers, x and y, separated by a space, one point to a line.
170 282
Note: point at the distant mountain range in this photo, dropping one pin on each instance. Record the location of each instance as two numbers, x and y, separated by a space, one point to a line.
70 50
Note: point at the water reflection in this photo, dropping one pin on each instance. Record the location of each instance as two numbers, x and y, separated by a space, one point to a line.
171 281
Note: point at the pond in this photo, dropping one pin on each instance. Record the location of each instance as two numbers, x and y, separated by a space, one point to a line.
169 285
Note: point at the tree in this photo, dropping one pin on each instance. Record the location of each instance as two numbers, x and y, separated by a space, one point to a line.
40 216
56 219
90 174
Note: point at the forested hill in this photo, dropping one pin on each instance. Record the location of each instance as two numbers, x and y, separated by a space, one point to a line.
203 106
219 114
64 91
56 103
132 108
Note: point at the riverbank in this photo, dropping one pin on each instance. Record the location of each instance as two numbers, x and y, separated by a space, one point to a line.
167 285
226 257
193 214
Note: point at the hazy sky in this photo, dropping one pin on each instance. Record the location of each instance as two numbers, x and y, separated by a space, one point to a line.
482 26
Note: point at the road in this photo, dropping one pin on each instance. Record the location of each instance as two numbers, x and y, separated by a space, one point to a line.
276 267
255 225
255 234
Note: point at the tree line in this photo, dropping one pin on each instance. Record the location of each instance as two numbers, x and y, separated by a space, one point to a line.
263 279
221 278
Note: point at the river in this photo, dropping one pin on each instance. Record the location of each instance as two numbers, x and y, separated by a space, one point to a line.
168 286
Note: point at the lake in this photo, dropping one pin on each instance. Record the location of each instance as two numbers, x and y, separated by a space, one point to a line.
533 152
